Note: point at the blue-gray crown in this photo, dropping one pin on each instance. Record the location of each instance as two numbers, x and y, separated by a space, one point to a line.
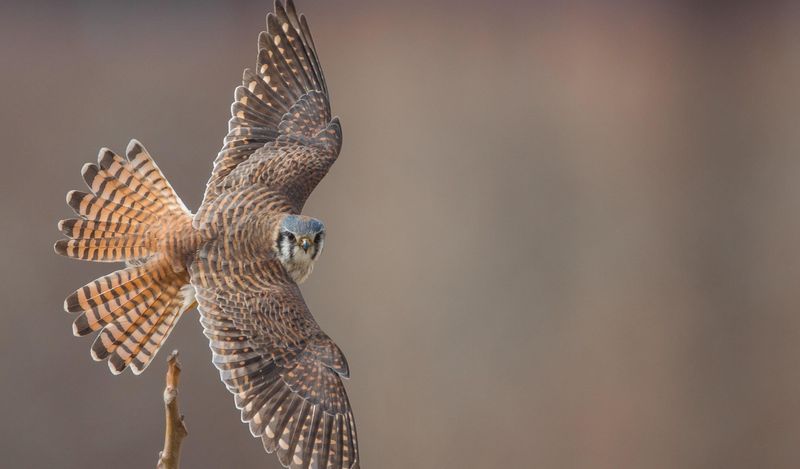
301 225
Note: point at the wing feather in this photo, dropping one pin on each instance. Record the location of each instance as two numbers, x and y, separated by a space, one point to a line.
285 373
282 104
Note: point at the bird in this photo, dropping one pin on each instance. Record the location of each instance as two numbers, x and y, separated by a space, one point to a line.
239 259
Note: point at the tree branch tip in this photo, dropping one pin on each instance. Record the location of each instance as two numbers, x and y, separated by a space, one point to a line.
172 359
176 430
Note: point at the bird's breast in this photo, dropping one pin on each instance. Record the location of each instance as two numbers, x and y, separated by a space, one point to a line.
299 268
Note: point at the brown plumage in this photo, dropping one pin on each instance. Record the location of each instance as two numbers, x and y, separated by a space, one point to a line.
239 258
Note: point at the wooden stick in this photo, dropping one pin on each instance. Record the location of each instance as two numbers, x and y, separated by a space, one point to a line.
169 457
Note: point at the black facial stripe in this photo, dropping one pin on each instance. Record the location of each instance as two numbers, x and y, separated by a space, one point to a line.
317 249
280 241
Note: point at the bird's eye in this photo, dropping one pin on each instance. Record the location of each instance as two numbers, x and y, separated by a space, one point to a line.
317 238
290 236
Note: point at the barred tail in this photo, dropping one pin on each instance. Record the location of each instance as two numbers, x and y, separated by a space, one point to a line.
132 214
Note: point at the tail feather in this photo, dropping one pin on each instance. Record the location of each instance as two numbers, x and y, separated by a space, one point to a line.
144 165
120 169
77 228
114 249
152 344
122 345
128 216
140 347
98 317
105 186
125 324
112 287
92 207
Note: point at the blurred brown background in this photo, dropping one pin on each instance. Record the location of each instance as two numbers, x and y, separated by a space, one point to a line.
560 235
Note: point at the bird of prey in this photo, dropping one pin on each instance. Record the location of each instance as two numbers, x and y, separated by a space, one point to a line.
239 259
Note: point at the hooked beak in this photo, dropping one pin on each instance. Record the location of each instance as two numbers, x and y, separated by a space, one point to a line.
305 243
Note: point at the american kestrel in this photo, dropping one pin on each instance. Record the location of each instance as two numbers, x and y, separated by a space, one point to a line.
239 258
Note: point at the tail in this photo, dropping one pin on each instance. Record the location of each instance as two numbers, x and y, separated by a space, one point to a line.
132 214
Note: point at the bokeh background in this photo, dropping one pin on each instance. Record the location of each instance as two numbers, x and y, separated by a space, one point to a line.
561 235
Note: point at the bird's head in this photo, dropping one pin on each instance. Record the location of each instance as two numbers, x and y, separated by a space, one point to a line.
298 242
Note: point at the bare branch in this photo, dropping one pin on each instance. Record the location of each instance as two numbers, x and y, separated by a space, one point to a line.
169 457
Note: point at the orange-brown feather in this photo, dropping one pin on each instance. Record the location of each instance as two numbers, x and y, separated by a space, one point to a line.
132 214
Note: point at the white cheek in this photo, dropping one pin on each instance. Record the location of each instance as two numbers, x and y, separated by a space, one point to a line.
286 250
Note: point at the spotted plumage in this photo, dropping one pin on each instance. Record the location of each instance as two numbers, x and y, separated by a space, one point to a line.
239 259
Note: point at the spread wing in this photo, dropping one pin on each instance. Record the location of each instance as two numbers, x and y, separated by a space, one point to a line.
284 372
281 133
